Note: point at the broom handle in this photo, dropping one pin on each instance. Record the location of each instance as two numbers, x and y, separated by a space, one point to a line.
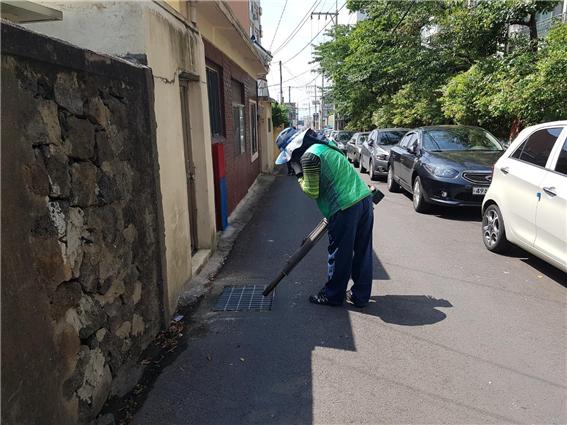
309 242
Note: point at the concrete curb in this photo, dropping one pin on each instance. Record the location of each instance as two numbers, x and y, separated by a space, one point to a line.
201 284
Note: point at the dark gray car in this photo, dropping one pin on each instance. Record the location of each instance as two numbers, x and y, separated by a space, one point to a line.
375 151
354 146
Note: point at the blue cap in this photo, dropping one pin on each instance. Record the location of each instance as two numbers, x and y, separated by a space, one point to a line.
288 140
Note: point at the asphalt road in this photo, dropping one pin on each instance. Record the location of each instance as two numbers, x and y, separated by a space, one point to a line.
455 334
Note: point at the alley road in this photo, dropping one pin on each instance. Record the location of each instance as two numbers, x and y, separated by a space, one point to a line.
455 334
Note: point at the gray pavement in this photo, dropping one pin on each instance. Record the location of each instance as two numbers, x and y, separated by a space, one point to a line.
455 334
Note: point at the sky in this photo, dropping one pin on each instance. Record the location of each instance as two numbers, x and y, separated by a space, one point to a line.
302 90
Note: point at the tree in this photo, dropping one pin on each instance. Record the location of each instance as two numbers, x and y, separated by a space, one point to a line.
525 87
280 115
469 71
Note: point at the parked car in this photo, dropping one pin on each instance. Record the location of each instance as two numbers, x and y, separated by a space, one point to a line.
526 203
353 147
341 138
375 152
444 165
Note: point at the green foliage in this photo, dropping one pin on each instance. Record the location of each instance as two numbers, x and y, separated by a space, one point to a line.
280 115
525 85
469 72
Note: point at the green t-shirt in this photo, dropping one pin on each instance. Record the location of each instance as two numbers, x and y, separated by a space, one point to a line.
331 180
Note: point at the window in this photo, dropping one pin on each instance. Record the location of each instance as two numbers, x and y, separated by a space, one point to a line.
408 139
460 139
213 90
254 129
372 137
238 120
537 147
391 137
561 166
269 125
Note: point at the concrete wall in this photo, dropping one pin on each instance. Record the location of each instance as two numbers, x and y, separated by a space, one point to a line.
148 32
81 246
266 129
241 9
120 33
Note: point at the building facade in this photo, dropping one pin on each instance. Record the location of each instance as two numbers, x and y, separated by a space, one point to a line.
238 120
249 14
193 48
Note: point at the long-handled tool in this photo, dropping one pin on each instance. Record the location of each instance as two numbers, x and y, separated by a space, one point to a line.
309 242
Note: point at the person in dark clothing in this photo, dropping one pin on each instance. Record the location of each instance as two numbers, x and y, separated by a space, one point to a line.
325 175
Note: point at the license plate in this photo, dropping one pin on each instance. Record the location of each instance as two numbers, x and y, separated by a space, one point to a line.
479 190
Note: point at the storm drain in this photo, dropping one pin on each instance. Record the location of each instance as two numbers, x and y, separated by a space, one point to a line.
244 298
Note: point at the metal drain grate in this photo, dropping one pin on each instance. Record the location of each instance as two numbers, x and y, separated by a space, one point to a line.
244 298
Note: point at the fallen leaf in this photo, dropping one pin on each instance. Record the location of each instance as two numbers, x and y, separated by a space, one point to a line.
242 359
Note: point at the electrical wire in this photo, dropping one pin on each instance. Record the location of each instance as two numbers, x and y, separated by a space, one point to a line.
290 79
297 27
310 41
278 26
399 23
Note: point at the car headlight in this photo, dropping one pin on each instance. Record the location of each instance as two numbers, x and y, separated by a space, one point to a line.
382 156
441 171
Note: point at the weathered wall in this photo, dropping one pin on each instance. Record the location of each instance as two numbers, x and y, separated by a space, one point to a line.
241 9
120 32
265 131
81 265
146 31
241 170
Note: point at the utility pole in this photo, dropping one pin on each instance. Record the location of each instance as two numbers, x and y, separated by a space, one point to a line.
334 16
289 94
335 20
315 87
281 86
322 101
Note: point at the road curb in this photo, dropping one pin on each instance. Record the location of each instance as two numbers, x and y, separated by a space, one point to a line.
202 283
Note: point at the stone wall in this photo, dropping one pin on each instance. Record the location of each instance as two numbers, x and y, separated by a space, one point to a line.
81 220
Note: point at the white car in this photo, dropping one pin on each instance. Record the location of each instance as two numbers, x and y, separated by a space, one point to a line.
526 203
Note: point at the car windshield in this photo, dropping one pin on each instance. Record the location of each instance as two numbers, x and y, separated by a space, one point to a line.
343 136
391 137
460 139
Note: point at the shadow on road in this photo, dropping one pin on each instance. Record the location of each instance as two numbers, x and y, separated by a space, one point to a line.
540 265
546 269
451 213
406 310
458 213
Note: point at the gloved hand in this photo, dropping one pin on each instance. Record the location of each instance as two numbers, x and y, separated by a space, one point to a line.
297 169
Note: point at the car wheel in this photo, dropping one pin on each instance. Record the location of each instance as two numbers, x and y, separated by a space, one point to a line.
393 186
362 169
493 230
419 202
371 170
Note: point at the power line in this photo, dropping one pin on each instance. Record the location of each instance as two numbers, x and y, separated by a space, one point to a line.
310 41
290 79
278 26
297 27
399 23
